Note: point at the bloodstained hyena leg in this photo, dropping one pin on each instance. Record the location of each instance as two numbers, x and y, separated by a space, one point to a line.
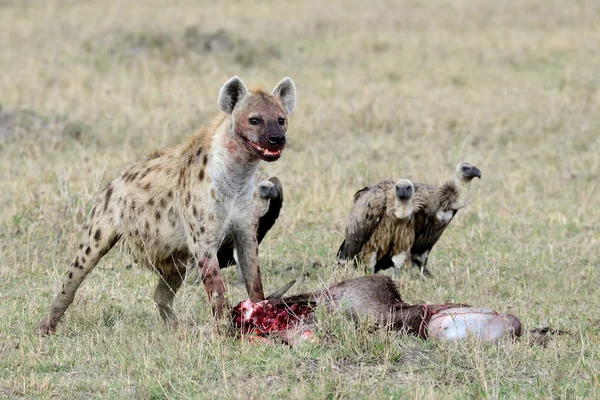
213 284
166 288
247 251
98 240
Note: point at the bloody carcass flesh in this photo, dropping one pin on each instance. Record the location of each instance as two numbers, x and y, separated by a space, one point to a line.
377 299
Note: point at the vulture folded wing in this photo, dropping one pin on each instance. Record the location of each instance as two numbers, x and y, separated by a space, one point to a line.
369 206
225 256
427 199
267 221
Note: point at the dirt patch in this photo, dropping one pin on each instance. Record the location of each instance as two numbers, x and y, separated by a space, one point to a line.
48 132
148 42
220 42
172 46
217 42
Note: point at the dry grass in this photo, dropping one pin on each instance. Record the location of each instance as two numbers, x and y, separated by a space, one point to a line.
389 90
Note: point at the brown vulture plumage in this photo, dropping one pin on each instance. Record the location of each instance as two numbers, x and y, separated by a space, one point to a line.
270 201
442 205
380 225
439 207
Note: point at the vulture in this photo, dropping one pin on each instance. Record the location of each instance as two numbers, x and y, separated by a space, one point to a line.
381 225
270 201
440 205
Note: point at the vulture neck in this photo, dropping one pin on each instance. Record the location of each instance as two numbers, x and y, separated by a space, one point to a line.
402 208
464 192
264 207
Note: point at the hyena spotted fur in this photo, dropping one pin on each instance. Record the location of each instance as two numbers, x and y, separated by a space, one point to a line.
175 207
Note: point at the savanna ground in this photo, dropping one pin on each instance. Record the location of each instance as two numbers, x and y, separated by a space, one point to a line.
385 90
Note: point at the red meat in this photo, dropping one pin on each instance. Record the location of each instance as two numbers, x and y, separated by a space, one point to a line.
268 317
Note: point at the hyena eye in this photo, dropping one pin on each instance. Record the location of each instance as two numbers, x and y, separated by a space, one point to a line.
254 121
281 121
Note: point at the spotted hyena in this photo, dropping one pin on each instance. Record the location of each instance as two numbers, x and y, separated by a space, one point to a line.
176 206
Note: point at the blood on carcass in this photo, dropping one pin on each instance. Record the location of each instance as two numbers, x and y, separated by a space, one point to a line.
268 317
377 299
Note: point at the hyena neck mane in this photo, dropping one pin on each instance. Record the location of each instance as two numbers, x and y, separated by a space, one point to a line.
231 168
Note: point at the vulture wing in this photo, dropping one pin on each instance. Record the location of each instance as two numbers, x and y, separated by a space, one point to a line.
428 199
425 199
428 227
267 221
225 255
369 206
420 202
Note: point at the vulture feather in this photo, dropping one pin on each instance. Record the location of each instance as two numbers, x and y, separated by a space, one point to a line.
380 224
442 205
437 208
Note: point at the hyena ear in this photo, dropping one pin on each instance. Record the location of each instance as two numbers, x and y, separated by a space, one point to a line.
286 91
231 93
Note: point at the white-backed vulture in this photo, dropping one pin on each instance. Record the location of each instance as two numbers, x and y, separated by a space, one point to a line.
440 205
380 224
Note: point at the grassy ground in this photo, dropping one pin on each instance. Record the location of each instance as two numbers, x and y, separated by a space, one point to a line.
386 90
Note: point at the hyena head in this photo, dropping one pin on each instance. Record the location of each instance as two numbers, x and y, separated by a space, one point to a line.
259 118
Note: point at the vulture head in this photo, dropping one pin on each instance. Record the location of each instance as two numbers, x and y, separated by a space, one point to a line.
266 191
464 174
467 172
404 191
278 188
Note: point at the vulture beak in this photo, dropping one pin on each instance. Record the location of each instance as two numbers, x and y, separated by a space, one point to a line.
467 171
475 172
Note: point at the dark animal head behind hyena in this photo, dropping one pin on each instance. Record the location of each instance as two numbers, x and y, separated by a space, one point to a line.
259 118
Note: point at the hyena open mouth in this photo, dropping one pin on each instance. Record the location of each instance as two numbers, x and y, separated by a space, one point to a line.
263 153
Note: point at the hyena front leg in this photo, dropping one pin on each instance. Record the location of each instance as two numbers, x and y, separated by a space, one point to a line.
213 283
247 252
99 238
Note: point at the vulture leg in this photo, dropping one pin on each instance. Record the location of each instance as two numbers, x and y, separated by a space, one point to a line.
420 261
398 260
372 263
425 271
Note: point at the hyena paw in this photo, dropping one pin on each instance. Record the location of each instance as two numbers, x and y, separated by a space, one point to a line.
168 316
45 328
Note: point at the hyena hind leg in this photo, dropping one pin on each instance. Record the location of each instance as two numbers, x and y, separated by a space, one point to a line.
99 238
166 288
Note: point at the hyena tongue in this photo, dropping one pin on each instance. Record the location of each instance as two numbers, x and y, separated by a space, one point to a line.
281 291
